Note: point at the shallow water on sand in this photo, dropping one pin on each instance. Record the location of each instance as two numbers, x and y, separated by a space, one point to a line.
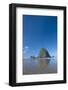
39 66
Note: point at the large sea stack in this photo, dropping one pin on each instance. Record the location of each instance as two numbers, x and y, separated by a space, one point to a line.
43 53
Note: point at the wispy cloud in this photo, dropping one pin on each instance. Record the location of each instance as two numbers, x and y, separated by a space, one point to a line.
26 47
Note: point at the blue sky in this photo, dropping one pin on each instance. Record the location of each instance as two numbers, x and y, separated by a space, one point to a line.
39 32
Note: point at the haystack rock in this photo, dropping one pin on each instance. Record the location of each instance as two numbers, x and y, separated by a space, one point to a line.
43 53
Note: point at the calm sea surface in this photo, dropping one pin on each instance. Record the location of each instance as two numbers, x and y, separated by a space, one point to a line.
39 66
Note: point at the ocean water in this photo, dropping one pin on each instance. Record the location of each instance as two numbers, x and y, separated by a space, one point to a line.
39 66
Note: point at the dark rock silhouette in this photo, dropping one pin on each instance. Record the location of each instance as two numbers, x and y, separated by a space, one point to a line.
32 57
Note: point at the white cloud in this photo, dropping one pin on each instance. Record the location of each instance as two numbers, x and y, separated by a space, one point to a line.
26 47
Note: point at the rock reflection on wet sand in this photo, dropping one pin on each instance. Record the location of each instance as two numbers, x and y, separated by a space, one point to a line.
39 66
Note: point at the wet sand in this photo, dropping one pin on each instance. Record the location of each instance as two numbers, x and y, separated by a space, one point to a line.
39 66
